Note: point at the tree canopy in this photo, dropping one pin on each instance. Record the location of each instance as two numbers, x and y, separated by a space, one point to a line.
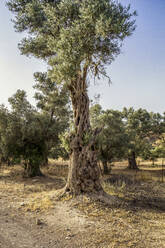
72 35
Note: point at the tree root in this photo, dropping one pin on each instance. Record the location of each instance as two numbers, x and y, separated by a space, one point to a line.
100 196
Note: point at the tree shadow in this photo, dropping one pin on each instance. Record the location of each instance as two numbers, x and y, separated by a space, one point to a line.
137 195
156 204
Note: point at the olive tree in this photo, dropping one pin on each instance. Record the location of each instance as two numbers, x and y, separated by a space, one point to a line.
112 140
155 138
4 120
139 130
27 134
54 106
77 38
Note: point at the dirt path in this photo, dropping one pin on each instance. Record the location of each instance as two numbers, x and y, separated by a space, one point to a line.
62 227
17 231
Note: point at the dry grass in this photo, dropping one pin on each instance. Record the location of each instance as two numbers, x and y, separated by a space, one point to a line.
147 171
137 220
32 194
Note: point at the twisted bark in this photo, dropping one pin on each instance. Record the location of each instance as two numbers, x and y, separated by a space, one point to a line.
84 173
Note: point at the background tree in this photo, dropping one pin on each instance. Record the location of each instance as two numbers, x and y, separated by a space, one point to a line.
75 38
112 140
4 119
155 138
95 114
158 138
138 127
26 134
11 126
54 107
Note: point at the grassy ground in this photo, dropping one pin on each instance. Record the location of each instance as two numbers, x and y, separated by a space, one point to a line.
134 216
148 171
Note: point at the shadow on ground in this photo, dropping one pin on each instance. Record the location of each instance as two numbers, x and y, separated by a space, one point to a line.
137 194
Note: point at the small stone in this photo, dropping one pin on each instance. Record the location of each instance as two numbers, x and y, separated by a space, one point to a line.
35 180
87 226
39 222
37 210
22 204
68 237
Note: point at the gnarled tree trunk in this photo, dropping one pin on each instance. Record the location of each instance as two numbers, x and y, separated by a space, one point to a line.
132 161
32 170
84 173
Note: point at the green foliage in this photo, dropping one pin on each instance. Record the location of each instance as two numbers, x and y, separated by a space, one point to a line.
144 130
112 139
160 150
65 145
128 133
53 104
27 134
95 112
138 127
20 104
4 114
26 140
72 34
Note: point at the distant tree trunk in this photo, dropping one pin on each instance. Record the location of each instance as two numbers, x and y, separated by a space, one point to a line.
3 160
162 171
132 162
9 162
31 170
105 167
45 154
45 160
84 173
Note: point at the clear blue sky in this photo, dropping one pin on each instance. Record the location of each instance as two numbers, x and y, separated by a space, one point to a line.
138 74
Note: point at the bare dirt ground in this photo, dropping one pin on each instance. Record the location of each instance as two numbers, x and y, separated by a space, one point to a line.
31 216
